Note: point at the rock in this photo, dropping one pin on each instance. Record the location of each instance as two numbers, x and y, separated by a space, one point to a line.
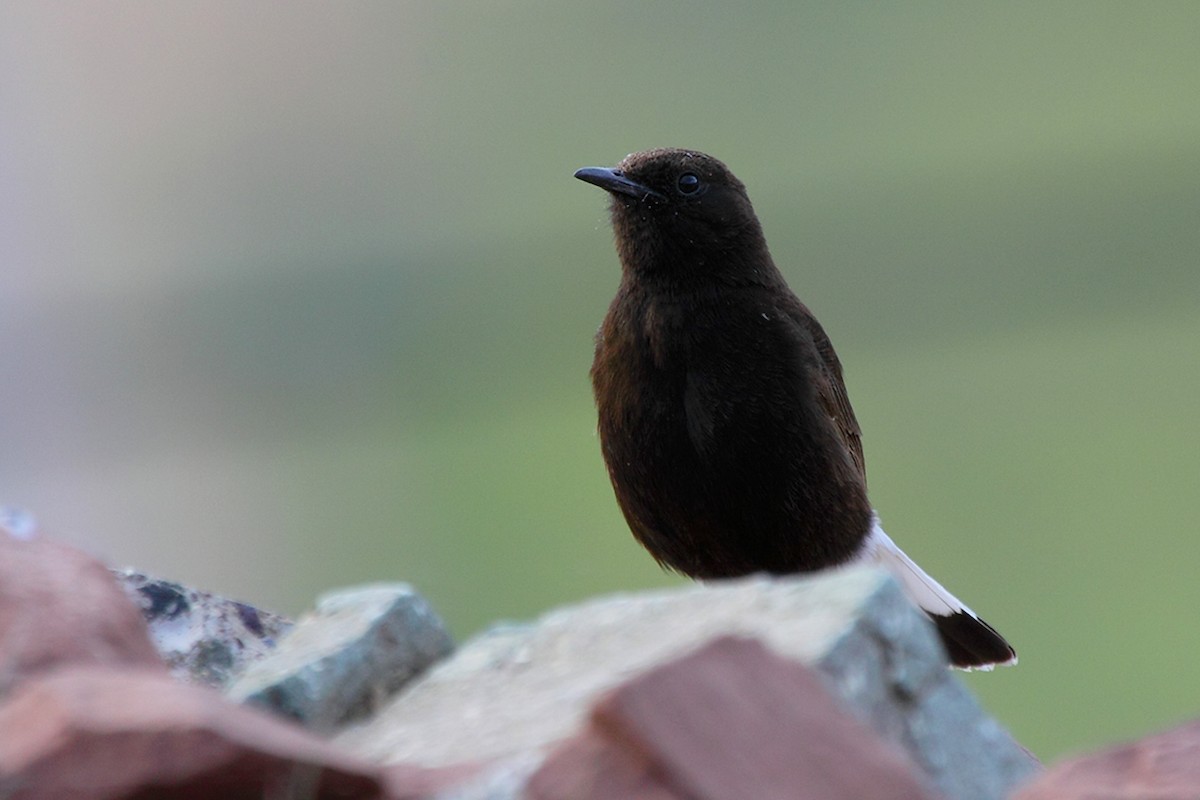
100 733
342 661
409 782
1165 766
204 638
59 605
731 720
509 696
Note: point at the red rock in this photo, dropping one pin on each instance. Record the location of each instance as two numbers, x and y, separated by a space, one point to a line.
102 733
732 720
59 605
1165 766
593 767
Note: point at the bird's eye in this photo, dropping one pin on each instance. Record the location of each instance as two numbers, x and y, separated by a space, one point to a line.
688 183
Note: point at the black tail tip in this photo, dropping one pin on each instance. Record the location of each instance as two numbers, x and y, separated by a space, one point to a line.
971 643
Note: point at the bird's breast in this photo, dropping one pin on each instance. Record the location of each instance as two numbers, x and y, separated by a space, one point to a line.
720 453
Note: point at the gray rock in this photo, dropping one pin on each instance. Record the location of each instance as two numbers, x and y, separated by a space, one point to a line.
204 638
518 690
889 669
344 659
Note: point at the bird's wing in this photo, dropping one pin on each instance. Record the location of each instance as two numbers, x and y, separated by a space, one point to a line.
831 389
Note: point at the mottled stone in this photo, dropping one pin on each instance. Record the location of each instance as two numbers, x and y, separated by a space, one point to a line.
344 659
203 637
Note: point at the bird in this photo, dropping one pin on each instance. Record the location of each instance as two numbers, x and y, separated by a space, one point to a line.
723 417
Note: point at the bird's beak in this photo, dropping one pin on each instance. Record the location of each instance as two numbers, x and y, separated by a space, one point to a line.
614 181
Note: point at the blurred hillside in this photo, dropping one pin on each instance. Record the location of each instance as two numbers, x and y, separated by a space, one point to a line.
302 295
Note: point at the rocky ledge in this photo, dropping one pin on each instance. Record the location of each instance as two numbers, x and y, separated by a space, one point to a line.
831 686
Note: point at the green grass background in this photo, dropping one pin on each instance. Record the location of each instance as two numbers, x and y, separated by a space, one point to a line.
302 295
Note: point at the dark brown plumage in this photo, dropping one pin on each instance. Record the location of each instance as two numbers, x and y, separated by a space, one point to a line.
723 417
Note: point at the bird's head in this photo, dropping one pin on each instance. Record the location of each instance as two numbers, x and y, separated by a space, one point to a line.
676 210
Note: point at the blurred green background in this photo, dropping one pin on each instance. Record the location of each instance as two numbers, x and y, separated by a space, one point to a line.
302 294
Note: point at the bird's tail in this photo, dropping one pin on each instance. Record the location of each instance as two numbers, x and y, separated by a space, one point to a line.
970 642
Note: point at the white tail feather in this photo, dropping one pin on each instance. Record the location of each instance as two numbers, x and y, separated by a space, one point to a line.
922 589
